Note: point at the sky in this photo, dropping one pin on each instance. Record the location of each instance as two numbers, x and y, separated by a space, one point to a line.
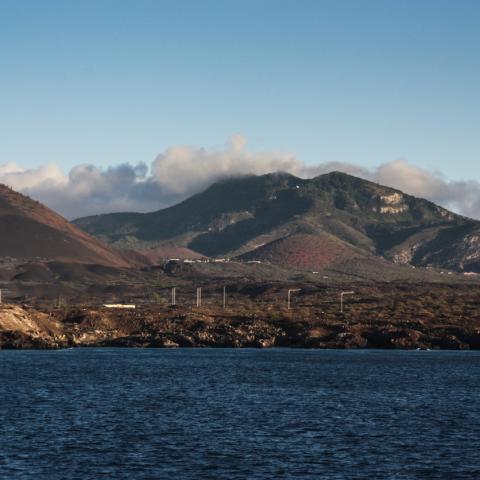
112 105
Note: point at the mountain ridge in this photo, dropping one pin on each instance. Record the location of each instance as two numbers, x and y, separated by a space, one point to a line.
236 216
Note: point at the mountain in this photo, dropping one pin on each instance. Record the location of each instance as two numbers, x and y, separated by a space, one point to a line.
304 223
31 231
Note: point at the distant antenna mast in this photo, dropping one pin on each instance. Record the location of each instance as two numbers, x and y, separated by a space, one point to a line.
289 296
199 297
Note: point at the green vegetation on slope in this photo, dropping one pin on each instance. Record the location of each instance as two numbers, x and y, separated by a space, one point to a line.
238 215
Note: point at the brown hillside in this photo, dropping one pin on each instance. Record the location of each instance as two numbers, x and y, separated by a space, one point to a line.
304 251
28 230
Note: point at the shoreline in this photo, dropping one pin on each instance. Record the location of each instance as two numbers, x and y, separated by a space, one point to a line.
23 327
273 348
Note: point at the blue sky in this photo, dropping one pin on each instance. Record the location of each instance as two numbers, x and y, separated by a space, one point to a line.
363 82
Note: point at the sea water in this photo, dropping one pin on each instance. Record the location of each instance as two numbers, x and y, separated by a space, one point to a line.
239 414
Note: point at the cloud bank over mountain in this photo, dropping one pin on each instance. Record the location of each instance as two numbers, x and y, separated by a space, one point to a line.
181 171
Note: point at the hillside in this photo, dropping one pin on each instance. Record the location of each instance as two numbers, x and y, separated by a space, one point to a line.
31 231
333 216
304 251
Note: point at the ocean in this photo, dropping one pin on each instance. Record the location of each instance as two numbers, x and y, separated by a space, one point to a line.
239 414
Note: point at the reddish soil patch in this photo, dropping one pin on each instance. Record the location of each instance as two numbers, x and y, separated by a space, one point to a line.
303 251
31 230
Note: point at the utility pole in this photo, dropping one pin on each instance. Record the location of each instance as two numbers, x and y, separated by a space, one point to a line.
174 299
2 292
224 296
341 299
289 295
199 297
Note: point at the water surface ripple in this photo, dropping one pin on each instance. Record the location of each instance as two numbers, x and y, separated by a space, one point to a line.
239 414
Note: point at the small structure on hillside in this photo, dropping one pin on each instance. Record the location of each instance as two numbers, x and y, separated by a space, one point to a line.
119 305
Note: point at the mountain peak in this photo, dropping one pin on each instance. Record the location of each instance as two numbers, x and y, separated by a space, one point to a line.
338 173
339 178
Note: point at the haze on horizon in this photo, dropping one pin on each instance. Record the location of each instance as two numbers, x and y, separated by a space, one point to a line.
134 105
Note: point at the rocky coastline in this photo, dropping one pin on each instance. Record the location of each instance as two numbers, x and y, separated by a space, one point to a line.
391 325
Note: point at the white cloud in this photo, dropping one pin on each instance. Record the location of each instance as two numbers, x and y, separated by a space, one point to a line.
184 170
24 179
